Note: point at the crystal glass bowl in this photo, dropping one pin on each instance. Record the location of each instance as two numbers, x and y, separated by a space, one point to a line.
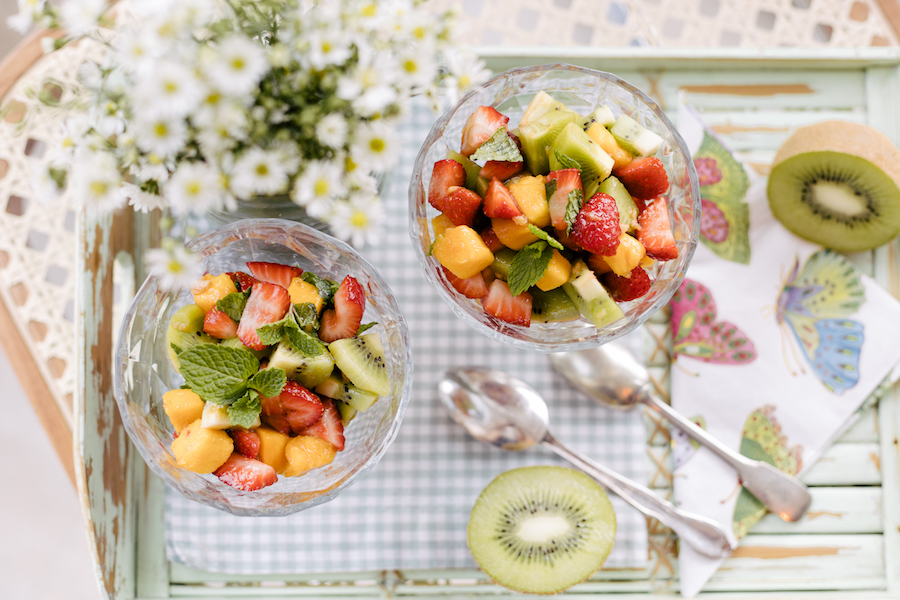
144 374
582 90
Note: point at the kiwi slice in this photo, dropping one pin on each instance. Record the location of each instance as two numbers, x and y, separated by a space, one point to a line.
590 297
573 148
361 359
346 411
336 388
551 306
472 169
537 135
502 261
603 115
185 331
836 184
308 371
236 343
635 138
628 210
541 530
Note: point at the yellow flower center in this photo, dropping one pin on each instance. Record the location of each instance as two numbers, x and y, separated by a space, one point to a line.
377 145
349 165
161 130
369 10
238 63
193 188
175 266
170 87
321 187
464 82
326 47
419 33
359 219
99 188
262 169
410 66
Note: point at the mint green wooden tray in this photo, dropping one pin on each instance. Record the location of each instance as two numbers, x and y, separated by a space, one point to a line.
848 545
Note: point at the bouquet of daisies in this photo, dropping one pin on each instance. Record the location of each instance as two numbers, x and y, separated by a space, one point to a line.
200 104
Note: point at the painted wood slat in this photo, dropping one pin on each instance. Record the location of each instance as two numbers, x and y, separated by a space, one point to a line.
833 510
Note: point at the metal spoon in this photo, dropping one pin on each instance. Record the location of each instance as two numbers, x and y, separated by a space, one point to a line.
611 376
501 410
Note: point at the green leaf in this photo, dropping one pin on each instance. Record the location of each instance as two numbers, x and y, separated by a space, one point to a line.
528 266
535 230
567 162
217 373
325 287
268 382
233 304
273 333
177 349
550 187
309 345
575 202
307 316
499 147
245 411
366 327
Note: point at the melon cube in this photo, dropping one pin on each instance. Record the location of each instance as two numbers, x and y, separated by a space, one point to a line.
462 251
182 407
557 272
307 452
201 450
513 234
303 291
211 289
271 448
628 255
531 196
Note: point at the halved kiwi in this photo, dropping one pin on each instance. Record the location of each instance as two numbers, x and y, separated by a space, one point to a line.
361 359
541 530
835 183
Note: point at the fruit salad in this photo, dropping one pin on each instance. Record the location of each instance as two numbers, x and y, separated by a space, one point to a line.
276 363
560 218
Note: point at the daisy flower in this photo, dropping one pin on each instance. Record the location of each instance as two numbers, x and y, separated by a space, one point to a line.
358 221
194 188
135 50
319 186
78 17
466 71
375 146
161 136
72 129
175 266
24 20
43 186
417 65
170 90
143 201
258 172
95 181
332 130
238 66
328 47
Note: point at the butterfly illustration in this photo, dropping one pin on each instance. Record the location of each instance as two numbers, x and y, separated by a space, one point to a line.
684 447
725 217
762 440
815 304
696 333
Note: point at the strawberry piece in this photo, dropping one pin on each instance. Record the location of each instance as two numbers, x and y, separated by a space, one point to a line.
566 181
482 124
501 304
245 473
302 407
245 442
243 281
488 276
460 205
278 423
268 303
499 203
623 289
219 325
597 227
500 169
471 287
644 178
491 240
274 273
445 174
329 428
343 320
655 231
271 406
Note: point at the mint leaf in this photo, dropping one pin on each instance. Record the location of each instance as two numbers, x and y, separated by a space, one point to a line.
309 345
177 349
233 304
307 316
545 236
499 147
268 382
325 287
567 162
245 411
217 373
273 333
575 202
366 327
528 266
550 186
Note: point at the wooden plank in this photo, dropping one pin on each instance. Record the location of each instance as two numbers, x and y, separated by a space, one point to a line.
833 510
891 11
25 54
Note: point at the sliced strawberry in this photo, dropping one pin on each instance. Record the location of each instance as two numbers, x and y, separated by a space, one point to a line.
471 287
460 205
343 320
623 289
566 181
244 281
246 473
268 303
480 127
488 276
500 169
245 442
445 174
491 240
274 273
302 407
501 304
329 427
655 231
644 178
271 406
499 202
597 227
567 240
278 423
219 325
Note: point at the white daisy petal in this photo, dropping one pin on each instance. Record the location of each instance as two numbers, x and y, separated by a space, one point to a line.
358 221
176 267
161 136
375 146
238 66
319 186
95 181
258 172
194 188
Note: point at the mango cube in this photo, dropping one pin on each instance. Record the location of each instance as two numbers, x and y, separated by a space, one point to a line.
557 272
211 289
271 448
531 196
628 255
201 450
182 407
441 223
306 452
462 251
303 291
605 140
512 234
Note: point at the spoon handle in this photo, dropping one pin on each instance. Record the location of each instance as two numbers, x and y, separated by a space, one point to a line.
784 495
704 535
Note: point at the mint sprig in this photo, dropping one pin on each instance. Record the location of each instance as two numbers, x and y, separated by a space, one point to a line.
575 200
245 411
216 373
268 382
307 316
528 266
365 327
566 161
535 230
233 304
498 147
306 343
325 287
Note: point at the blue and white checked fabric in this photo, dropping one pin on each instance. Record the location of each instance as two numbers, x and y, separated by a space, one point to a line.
411 510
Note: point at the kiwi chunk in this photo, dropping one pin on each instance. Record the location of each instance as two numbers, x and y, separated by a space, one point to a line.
836 184
537 135
236 343
635 138
361 359
628 210
590 297
346 411
502 261
336 388
541 530
308 371
603 115
472 169
572 148
186 331
555 305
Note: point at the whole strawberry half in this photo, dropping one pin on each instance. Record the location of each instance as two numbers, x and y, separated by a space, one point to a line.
245 473
343 320
460 205
274 273
644 178
623 289
501 304
219 325
268 303
499 202
302 407
479 128
655 231
597 227
445 174
330 427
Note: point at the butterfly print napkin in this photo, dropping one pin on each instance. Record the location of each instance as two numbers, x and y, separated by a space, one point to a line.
776 344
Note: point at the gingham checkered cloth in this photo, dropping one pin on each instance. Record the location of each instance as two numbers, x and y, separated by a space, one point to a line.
411 510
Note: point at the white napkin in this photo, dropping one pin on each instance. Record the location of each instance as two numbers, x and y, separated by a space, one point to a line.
777 344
